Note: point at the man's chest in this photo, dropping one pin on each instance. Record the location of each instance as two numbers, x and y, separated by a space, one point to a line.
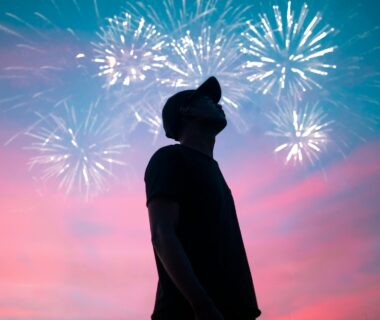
205 190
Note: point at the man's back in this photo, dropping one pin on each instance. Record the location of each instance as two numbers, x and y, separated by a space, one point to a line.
208 230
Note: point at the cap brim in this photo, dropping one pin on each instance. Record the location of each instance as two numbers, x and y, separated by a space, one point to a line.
210 88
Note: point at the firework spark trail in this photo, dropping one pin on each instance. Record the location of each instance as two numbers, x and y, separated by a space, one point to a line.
289 54
131 55
148 115
173 17
304 130
50 70
143 109
176 19
129 49
79 152
195 58
354 90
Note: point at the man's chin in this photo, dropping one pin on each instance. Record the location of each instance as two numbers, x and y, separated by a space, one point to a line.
219 124
216 124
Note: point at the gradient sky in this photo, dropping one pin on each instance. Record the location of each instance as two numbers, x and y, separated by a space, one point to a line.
310 231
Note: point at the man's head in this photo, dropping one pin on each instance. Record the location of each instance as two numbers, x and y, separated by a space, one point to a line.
198 108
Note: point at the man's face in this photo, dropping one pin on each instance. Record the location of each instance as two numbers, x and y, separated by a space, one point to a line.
207 111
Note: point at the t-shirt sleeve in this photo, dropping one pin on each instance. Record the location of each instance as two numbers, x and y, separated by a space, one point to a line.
163 175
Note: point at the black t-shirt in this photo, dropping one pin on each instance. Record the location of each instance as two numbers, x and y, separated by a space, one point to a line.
208 230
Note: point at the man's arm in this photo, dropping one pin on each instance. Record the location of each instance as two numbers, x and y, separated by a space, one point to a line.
163 217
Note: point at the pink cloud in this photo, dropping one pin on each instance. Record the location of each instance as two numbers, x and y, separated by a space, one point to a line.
313 237
310 241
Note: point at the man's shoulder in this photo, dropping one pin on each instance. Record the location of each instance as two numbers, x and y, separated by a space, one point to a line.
165 151
167 148
166 156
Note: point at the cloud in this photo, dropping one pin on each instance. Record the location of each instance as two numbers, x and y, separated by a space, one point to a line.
311 237
311 241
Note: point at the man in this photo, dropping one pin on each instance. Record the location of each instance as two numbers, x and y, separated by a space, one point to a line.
201 261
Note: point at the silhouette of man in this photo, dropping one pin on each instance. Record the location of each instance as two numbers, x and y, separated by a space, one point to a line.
199 252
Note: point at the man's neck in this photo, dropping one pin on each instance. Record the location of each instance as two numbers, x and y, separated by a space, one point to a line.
202 144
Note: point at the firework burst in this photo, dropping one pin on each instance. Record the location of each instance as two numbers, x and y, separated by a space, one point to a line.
79 152
303 131
195 58
129 51
286 52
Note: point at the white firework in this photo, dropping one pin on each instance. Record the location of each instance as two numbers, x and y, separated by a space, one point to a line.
148 115
171 16
211 53
304 131
174 17
141 110
129 51
79 152
287 52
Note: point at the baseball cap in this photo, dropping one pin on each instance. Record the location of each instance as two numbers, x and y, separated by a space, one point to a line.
171 116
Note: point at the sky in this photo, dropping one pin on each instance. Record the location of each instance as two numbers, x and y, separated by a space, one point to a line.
75 243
